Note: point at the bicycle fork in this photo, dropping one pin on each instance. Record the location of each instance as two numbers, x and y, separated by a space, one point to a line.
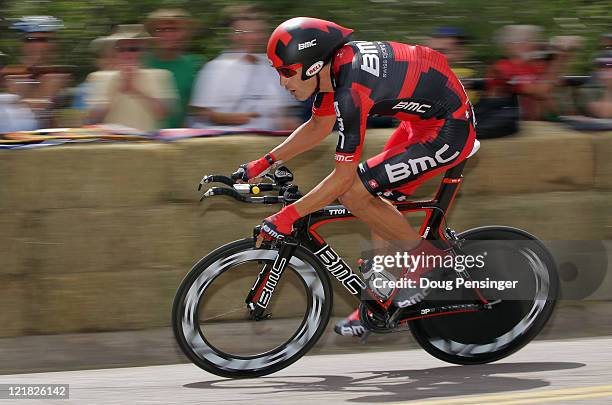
261 292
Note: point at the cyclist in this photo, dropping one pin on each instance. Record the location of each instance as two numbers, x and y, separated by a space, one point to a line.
352 80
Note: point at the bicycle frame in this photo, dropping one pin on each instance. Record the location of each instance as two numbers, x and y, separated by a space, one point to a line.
306 234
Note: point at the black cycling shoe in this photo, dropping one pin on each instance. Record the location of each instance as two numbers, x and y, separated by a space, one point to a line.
350 326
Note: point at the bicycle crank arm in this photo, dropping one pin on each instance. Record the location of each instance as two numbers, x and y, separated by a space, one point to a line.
398 320
408 315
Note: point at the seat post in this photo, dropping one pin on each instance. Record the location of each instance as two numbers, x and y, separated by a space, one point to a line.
444 198
455 172
450 183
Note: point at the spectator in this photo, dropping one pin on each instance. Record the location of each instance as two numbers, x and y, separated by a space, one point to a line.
171 29
238 88
451 42
602 107
529 71
596 98
594 88
14 115
103 49
36 80
131 95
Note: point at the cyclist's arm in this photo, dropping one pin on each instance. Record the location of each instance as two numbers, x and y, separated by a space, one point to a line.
305 137
352 111
338 182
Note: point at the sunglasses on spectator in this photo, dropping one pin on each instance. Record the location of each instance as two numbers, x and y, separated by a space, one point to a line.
168 29
244 31
287 71
37 39
129 48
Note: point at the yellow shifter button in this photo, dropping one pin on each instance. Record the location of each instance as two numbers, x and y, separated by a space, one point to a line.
255 190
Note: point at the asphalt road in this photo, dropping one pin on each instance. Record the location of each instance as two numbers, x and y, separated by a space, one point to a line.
545 372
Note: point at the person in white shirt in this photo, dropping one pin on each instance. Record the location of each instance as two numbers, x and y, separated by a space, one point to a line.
130 96
14 115
238 88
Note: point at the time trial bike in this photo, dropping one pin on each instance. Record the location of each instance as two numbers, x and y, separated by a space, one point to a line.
244 311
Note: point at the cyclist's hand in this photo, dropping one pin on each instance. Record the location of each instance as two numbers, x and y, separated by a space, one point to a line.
254 169
279 224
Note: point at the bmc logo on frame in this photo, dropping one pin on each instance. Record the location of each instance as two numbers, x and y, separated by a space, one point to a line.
340 270
271 283
307 44
400 171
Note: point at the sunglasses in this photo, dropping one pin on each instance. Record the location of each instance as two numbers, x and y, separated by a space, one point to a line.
168 29
287 71
37 39
129 48
240 32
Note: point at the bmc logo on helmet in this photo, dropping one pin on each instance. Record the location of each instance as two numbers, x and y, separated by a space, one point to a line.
307 44
314 68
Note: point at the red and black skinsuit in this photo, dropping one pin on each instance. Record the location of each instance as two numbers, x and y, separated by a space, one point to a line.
413 84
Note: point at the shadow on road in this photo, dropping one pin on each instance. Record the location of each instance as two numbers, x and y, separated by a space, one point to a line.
398 385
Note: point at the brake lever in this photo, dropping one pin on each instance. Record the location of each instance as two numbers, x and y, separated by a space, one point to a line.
214 178
222 191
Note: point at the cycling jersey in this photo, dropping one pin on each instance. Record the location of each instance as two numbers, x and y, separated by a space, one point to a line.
411 83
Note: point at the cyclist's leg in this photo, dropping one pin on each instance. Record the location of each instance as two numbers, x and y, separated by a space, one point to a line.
383 219
413 154
400 169
401 135
351 325
402 166
369 207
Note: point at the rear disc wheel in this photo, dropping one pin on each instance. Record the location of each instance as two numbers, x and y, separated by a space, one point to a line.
490 335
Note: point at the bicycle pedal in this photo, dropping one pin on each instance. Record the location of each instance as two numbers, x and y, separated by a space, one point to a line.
400 327
364 338
260 318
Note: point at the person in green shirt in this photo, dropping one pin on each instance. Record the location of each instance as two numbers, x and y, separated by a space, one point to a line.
171 29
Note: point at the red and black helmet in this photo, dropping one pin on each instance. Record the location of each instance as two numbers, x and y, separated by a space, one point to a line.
306 42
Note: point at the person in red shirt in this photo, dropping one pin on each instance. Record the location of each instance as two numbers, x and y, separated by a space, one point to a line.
353 80
529 72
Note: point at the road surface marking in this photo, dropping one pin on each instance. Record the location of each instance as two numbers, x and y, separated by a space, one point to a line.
522 397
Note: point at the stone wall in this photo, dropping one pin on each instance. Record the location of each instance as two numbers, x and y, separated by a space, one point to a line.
98 237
